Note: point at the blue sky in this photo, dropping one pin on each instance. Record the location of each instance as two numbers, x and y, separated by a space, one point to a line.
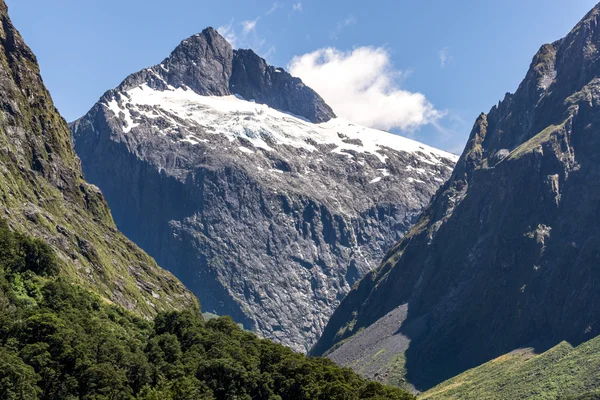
462 56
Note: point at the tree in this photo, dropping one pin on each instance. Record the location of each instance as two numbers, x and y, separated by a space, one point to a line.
18 381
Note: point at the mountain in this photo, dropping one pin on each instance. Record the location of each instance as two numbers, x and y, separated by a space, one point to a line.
506 254
60 341
67 276
563 372
43 193
241 181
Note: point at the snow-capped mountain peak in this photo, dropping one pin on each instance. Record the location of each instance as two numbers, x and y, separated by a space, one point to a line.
241 180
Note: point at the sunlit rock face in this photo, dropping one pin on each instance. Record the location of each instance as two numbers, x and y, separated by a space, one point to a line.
240 180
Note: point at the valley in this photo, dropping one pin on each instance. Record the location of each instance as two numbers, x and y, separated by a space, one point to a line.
212 228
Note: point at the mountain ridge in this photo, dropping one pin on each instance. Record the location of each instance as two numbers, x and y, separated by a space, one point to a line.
507 242
208 64
42 192
84 313
563 372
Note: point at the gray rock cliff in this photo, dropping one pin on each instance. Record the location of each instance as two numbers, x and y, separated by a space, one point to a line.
239 179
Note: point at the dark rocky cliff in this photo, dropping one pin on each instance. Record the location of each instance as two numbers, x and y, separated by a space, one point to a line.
254 79
264 215
507 254
43 193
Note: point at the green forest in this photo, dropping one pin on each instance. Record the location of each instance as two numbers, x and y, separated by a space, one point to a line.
59 341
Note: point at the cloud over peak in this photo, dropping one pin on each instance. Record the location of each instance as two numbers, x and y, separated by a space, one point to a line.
228 32
362 86
244 34
249 26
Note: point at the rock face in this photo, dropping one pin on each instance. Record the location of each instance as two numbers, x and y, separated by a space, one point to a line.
202 62
506 255
265 215
42 192
253 78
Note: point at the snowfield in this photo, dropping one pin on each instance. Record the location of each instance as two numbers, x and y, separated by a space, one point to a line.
262 126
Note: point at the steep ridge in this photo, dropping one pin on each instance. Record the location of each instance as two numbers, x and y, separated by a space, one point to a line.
42 192
239 179
563 372
506 254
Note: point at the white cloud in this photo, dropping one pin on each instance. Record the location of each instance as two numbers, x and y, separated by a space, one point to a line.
362 86
341 25
249 26
228 32
444 57
272 50
243 34
274 8
297 7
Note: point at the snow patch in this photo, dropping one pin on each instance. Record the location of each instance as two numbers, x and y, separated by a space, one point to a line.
264 127
413 180
114 106
245 150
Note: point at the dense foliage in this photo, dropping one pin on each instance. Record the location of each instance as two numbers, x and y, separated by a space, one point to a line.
58 341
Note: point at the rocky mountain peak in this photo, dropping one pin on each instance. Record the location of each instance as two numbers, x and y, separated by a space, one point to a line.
557 71
207 64
202 62
266 211
253 79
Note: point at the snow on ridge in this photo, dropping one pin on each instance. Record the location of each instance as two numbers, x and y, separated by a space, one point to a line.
233 117
113 105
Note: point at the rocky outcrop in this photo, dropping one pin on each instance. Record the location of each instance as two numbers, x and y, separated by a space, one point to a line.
506 255
43 193
203 63
253 79
265 215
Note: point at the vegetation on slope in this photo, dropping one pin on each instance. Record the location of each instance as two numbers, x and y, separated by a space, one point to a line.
60 341
42 192
563 372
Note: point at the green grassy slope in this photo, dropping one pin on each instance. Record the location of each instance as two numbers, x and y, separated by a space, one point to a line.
561 372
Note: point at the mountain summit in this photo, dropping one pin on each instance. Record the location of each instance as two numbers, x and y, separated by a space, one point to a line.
207 64
506 255
239 179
